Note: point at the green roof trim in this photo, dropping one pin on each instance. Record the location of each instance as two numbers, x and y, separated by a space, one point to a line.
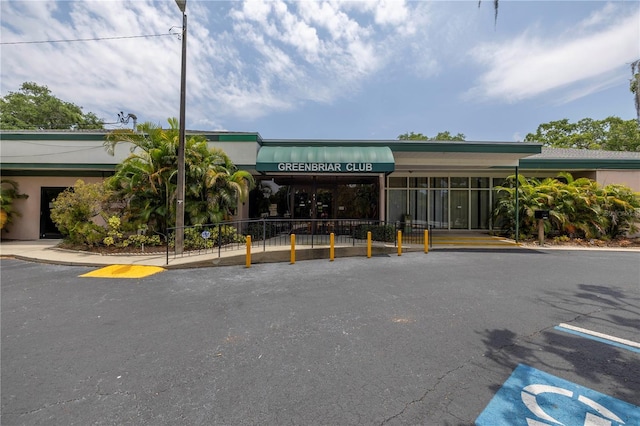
591 163
58 173
416 146
46 136
99 135
325 159
472 147
57 166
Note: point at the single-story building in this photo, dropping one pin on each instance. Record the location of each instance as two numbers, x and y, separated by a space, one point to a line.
446 184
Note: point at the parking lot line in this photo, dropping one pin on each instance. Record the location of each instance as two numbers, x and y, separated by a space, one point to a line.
600 337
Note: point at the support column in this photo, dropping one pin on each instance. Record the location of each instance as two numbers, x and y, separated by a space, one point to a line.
382 199
517 206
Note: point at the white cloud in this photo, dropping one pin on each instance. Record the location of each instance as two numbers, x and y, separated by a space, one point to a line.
527 66
135 75
255 58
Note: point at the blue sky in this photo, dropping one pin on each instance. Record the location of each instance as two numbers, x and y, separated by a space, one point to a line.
335 69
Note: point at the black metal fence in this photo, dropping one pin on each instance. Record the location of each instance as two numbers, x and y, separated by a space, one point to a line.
268 232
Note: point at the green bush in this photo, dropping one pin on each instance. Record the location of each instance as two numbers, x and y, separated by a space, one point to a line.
116 237
75 208
384 233
258 230
218 234
577 207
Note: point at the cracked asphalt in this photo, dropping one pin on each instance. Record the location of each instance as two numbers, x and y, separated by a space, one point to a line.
391 340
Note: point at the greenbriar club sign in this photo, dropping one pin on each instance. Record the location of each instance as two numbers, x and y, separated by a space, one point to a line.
325 159
329 167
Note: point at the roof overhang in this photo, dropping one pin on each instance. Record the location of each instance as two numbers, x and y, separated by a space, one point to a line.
432 155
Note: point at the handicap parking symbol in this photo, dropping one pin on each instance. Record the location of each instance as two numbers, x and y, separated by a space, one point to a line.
532 397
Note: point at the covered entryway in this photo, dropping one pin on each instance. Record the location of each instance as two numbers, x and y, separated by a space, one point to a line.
327 182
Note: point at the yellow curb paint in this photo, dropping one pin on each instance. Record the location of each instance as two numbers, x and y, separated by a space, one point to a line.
124 271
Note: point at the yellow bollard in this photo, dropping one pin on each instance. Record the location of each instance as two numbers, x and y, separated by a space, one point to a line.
293 248
368 244
332 251
426 241
399 243
248 251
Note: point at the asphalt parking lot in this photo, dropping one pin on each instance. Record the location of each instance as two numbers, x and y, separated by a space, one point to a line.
414 339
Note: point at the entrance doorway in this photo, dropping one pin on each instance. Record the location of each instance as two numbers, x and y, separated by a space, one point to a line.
48 229
327 197
310 204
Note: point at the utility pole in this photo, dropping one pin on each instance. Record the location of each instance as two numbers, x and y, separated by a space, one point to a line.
180 191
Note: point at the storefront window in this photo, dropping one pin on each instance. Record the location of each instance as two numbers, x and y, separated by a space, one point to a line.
480 182
420 182
397 182
357 201
480 212
418 205
439 208
439 182
397 205
459 182
499 182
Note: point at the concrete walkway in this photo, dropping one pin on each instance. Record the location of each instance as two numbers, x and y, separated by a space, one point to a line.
46 251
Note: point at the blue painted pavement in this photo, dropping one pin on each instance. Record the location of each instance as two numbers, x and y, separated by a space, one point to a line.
532 397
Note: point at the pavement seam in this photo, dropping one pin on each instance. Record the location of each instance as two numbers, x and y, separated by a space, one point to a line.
426 393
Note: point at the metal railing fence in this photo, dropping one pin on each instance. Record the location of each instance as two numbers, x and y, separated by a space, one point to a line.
272 232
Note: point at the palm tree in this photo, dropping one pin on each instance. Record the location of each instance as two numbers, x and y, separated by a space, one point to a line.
577 207
214 184
147 179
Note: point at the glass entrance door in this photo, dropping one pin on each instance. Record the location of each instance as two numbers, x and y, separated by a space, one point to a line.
324 204
459 209
439 205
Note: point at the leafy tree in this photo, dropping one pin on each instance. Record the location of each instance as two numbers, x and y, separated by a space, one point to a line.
611 134
441 136
8 194
74 210
147 179
34 107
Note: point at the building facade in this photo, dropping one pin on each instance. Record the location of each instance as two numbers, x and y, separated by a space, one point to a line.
449 185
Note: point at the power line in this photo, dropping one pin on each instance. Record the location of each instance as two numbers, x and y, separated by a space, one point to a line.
86 39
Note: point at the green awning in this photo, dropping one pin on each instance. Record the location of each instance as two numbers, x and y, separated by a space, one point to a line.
325 159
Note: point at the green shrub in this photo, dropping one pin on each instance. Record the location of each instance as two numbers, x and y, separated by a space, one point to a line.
577 207
258 230
116 237
384 233
75 208
218 234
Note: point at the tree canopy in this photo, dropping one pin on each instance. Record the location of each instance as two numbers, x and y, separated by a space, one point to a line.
611 134
441 136
34 107
147 179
